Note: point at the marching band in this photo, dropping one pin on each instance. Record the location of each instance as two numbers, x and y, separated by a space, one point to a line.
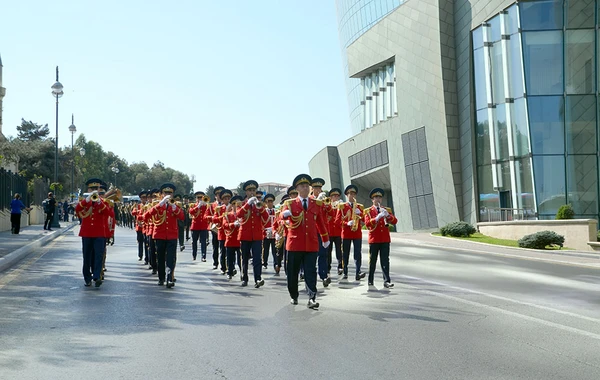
300 233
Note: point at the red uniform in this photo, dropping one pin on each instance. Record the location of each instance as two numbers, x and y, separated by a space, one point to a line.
345 213
378 230
199 219
217 219
138 214
304 225
270 223
165 221
252 222
110 221
94 218
231 230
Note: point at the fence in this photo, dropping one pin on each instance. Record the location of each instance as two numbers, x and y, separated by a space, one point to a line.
11 183
506 214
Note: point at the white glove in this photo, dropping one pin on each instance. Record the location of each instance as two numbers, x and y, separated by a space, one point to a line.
277 236
201 203
236 223
325 244
88 199
379 216
350 223
269 229
174 206
252 200
322 196
286 213
164 200
357 211
385 213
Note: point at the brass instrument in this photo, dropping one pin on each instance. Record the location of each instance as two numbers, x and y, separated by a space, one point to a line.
95 197
206 199
260 204
355 217
114 195
327 201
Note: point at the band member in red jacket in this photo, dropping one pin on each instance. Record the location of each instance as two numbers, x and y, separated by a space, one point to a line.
377 219
335 230
137 213
350 216
217 219
165 215
253 217
200 224
269 234
93 213
231 227
305 218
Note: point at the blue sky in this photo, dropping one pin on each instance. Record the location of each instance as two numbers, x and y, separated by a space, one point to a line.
226 90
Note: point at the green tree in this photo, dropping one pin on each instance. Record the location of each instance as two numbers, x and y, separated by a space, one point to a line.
30 131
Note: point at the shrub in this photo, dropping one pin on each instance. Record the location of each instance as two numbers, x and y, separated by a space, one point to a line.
540 240
598 236
565 212
458 229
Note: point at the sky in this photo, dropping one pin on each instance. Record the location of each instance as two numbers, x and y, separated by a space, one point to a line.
224 90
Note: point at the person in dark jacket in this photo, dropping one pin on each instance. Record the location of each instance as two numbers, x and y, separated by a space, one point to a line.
16 206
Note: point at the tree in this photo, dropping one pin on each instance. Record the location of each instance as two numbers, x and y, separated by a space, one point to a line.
210 190
30 131
240 190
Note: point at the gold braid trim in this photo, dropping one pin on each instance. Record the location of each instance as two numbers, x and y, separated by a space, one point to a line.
161 218
247 215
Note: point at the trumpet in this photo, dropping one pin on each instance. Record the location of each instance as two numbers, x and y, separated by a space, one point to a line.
206 199
95 197
172 200
260 204
327 201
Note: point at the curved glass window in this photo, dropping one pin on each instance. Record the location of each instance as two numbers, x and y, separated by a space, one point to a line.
579 62
546 123
582 180
580 14
541 15
543 60
581 124
549 174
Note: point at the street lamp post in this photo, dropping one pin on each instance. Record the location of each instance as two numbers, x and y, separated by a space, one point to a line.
116 171
57 92
72 129
82 153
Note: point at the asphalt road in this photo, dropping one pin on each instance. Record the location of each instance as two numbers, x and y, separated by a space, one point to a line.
452 315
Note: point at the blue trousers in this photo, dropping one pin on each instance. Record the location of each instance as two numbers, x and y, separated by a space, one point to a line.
203 236
165 253
357 243
322 260
93 253
233 253
307 260
253 248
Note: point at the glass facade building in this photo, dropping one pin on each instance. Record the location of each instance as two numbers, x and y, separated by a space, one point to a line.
535 68
355 17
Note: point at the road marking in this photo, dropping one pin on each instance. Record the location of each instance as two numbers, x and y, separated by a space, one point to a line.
545 308
478 252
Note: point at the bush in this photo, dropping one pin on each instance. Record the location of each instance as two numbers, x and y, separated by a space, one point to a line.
598 236
540 240
565 212
458 229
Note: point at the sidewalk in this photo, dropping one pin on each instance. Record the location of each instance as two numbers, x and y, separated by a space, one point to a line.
14 248
572 257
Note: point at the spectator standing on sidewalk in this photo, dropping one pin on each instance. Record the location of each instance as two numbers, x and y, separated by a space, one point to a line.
16 206
65 210
49 208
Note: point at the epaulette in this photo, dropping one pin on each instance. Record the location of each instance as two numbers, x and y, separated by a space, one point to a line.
340 205
288 203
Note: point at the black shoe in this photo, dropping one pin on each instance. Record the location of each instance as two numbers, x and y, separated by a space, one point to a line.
244 283
140 259
215 267
345 277
154 271
312 304
229 277
325 283
170 285
360 276
203 260
265 267
97 283
371 284
194 258
181 248
187 238
223 272
294 301
89 283
49 229
174 280
259 283
301 276
234 272
388 285
161 283
340 272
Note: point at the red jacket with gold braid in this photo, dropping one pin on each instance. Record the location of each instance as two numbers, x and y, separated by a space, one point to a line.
138 214
94 218
165 221
378 230
217 219
253 220
305 225
198 215
345 213
230 230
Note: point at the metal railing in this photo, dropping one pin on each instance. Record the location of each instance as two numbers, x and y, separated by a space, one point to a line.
493 214
11 183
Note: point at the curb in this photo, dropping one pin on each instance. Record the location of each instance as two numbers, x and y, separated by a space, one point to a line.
14 257
560 253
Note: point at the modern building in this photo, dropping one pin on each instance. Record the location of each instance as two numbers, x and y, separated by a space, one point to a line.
461 108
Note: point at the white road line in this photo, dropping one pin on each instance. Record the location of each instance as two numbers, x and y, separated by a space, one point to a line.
541 307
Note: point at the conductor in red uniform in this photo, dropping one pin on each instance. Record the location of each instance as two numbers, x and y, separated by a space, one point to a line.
305 218
377 219
93 212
